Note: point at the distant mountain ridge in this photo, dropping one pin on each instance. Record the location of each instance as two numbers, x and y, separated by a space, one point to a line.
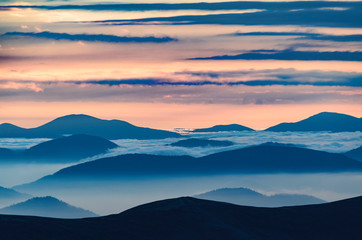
8 196
256 159
224 128
46 207
324 121
190 218
64 150
355 154
84 124
248 197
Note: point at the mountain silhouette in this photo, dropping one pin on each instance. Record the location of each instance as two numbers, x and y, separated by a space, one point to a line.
190 218
196 142
325 121
8 196
46 207
224 128
61 150
84 124
69 149
248 197
256 159
355 154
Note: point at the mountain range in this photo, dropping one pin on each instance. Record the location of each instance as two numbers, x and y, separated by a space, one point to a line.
61 150
190 218
197 142
248 197
324 121
84 124
255 159
46 207
224 128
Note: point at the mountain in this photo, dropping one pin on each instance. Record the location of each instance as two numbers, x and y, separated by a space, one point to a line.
224 128
325 121
196 142
46 207
257 159
8 196
355 154
68 149
84 124
190 218
248 197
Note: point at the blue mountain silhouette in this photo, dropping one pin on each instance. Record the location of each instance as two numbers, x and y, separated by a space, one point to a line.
190 218
248 197
46 207
325 121
256 159
355 154
84 124
61 150
224 128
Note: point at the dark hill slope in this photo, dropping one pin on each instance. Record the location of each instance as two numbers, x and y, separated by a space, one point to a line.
355 154
189 218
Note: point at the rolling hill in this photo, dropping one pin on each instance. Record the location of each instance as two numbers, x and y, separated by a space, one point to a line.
256 159
224 128
355 154
248 197
9 196
84 124
324 121
46 207
190 218
61 150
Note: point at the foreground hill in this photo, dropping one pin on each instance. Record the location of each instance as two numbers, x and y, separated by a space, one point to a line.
257 159
224 128
325 121
190 218
46 207
196 142
355 154
84 124
248 197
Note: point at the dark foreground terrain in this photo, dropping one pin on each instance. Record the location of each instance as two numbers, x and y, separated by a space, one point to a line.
190 218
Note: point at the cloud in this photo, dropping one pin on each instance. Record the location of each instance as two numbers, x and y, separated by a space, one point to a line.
289 54
88 37
307 35
310 17
241 5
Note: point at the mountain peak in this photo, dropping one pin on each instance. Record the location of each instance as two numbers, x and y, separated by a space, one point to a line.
324 121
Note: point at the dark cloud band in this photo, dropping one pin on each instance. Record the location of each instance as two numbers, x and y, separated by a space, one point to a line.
89 37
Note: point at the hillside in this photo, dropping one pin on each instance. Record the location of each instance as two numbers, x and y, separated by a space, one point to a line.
224 128
190 218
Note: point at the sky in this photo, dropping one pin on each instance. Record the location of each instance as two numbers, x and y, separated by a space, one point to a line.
179 65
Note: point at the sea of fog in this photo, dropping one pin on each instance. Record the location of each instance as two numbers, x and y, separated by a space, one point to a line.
108 197
117 196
